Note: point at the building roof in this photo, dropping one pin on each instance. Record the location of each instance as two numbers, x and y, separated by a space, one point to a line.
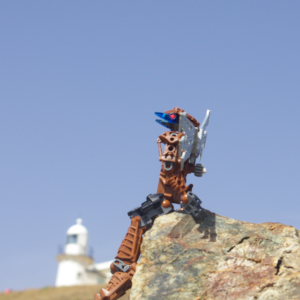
78 228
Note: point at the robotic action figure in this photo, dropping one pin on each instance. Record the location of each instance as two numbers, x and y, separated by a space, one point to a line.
183 145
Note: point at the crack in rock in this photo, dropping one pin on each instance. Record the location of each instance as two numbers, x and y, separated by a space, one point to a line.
240 242
279 262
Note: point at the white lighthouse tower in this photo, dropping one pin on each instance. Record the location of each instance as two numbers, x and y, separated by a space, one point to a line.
73 263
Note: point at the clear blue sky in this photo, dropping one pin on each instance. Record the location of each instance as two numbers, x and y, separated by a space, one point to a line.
79 84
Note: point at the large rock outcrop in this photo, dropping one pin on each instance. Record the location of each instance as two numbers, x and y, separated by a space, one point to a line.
214 257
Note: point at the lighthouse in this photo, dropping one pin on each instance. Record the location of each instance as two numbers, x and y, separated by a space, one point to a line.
74 265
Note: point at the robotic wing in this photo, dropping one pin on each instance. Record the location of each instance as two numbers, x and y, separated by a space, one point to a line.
191 145
202 135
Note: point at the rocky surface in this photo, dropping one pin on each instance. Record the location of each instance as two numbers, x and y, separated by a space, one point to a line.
214 257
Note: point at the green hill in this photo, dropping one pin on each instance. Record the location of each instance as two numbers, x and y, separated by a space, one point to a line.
62 293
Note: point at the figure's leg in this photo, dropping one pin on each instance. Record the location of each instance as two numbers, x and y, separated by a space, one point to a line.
123 267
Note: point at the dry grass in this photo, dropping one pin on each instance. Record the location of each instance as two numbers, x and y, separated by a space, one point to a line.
62 293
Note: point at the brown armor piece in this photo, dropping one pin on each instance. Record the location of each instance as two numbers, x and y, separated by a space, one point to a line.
128 253
171 178
172 184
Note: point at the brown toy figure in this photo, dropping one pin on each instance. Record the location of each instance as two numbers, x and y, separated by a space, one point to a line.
183 145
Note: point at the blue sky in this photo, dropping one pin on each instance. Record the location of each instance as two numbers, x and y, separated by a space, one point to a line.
79 84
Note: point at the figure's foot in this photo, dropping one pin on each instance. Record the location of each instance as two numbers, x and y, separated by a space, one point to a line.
190 204
117 287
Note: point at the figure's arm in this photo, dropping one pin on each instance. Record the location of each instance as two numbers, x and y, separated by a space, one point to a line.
159 148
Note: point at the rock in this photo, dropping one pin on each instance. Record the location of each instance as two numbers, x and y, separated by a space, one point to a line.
214 257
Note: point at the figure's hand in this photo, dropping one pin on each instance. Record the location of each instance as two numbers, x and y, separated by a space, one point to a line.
199 170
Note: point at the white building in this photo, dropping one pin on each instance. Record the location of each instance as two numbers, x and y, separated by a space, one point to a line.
75 267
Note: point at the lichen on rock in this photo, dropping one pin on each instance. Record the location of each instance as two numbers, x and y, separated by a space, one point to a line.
217 258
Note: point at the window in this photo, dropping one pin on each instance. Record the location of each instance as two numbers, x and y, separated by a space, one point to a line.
72 239
100 280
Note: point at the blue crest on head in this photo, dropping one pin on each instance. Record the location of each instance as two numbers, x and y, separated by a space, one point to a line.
168 120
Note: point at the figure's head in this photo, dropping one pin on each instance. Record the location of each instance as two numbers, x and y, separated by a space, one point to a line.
170 118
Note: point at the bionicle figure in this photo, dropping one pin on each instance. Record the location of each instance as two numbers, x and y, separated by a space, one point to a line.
183 145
